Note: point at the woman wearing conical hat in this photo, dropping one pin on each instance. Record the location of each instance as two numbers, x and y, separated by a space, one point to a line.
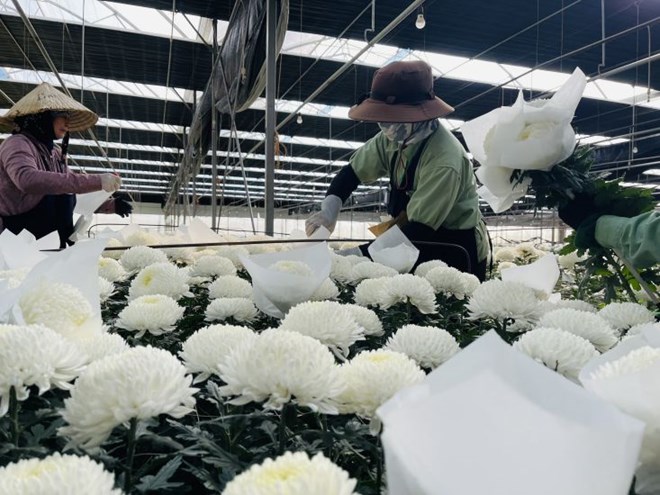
37 189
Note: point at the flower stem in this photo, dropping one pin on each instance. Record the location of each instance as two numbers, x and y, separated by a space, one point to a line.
130 454
408 311
624 281
14 407
282 428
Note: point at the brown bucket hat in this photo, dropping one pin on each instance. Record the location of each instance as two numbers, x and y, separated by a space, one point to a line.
401 92
45 97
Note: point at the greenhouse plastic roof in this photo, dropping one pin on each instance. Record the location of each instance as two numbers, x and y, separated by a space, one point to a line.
144 66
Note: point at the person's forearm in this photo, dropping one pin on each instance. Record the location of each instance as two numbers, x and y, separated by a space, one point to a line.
29 179
637 238
344 183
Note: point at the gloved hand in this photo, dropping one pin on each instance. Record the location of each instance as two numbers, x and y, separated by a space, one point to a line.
110 182
582 213
122 207
578 210
327 217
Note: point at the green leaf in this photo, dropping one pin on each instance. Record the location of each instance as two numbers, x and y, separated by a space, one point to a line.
160 481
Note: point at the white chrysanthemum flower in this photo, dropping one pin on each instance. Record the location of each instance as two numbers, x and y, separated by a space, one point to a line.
559 350
451 282
185 273
139 257
111 270
106 289
232 253
470 283
369 270
429 347
208 348
100 346
568 261
156 314
633 362
506 254
292 368
141 238
35 355
294 267
342 266
504 265
625 315
212 266
328 322
61 307
201 252
262 245
15 277
409 288
373 377
160 278
527 251
57 474
140 383
293 474
638 329
238 308
586 325
327 290
369 292
179 254
427 266
546 307
113 253
367 319
230 286
504 300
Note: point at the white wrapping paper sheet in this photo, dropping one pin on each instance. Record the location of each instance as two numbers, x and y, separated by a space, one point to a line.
636 394
394 249
198 232
276 292
19 251
527 136
542 275
86 205
493 421
77 266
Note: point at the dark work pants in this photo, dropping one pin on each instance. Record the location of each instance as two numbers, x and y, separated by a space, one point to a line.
52 213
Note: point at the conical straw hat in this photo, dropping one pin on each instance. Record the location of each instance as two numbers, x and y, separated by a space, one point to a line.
46 97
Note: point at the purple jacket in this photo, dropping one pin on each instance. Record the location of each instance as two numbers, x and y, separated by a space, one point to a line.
26 176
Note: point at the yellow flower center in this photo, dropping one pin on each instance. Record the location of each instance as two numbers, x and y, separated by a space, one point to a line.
379 358
279 474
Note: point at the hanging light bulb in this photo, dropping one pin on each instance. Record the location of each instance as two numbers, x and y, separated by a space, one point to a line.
299 119
420 23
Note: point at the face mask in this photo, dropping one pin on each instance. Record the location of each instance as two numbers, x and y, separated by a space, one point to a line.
396 131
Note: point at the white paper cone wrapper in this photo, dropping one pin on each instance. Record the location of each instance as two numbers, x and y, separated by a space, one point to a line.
276 292
493 421
394 249
542 275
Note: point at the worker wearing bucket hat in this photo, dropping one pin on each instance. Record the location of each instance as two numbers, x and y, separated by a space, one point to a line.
37 189
432 192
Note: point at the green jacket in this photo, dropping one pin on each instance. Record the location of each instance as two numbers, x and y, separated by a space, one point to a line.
444 191
636 238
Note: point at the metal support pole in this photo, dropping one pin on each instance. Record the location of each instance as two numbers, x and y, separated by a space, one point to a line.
214 135
269 197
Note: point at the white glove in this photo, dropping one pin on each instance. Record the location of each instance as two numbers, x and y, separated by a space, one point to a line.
327 217
110 182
